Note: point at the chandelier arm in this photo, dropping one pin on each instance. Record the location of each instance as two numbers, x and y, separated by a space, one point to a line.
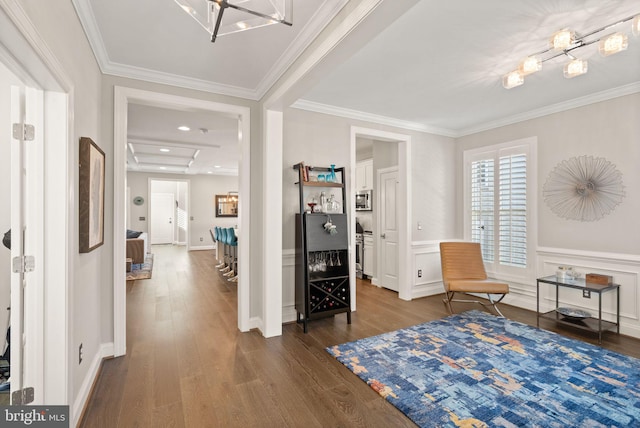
606 27
261 15
223 5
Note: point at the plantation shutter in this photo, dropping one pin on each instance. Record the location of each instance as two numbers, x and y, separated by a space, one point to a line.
512 232
483 207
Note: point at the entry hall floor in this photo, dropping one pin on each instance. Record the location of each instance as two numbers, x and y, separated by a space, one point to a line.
187 365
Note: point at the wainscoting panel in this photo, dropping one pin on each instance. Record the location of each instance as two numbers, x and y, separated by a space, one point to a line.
426 262
625 270
289 286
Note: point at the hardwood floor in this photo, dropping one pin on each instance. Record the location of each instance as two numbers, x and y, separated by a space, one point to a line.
187 365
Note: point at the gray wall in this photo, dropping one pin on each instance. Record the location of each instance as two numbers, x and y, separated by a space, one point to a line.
608 129
319 139
203 189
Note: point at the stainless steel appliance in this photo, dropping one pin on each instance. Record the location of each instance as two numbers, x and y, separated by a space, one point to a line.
364 200
359 254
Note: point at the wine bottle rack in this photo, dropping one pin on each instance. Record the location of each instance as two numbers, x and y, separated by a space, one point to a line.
329 295
322 259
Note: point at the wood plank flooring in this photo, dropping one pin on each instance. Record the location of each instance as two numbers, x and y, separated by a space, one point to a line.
187 365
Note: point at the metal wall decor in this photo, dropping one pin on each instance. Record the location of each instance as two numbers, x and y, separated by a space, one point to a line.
584 188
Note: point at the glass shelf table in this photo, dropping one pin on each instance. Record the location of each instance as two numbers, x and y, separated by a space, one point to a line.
594 324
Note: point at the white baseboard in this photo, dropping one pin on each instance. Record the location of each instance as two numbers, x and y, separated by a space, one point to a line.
201 248
289 313
105 350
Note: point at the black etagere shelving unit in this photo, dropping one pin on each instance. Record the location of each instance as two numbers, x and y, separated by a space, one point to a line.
322 258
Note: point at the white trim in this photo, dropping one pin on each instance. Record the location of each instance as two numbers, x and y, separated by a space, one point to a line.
289 313
308 34
316 24
151 179
404 218
272 223
370 117
82 397
21 38
297 73
629 89
122 97
313 106
201 248
529 146
596 255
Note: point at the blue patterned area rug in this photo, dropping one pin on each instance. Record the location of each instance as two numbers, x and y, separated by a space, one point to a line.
477 370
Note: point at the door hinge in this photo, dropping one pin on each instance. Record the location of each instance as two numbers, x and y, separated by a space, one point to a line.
24 131
22 396
24 264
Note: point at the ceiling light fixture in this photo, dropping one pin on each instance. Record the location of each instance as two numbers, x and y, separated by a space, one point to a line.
565 42
165 150
184 128
240 15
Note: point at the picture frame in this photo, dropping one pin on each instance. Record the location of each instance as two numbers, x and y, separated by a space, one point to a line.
91 195
226 205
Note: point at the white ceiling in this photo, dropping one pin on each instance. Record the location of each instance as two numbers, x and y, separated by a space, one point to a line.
437 68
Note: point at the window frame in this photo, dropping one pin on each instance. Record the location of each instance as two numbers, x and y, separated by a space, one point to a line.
527 146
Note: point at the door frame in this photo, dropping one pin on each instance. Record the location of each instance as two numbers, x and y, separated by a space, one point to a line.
123 96
27 55
404 220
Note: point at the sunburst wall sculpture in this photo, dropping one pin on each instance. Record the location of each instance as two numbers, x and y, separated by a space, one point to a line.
584 188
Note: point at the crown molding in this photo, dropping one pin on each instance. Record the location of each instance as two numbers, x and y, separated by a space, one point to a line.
373 118
597 97
317 23
90 26
510 120
323 16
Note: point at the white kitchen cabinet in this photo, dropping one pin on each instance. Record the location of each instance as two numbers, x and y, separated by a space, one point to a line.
364 175
368 255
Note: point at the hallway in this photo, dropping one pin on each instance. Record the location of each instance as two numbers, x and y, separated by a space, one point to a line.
187 365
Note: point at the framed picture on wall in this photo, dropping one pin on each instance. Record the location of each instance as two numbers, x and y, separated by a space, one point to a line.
91 195
227 205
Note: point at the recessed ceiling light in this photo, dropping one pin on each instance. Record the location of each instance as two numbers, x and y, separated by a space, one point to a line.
163 167
165 150
216 166
209 172
184 128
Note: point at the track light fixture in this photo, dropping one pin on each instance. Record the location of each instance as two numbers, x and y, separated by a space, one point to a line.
566 42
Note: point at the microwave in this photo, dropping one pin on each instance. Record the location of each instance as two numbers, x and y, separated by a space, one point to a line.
364 200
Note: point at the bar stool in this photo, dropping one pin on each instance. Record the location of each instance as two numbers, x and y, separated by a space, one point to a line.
232 240
219 246
226 267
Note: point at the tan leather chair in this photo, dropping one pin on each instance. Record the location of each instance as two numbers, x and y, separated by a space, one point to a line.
463 272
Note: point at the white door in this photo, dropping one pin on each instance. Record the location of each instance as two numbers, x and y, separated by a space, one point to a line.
388 218
162 212
27 255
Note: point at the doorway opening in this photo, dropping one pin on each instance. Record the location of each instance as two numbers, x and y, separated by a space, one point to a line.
48 321
402 199
123 98
169 202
